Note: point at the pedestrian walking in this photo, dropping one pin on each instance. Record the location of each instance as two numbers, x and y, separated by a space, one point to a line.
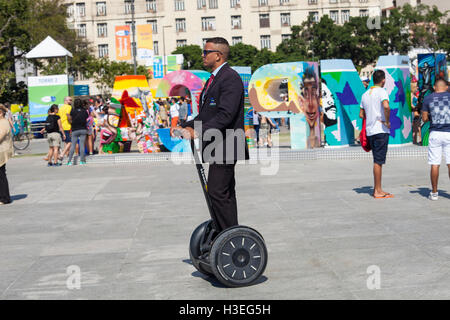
78 119
375 108
436 109
55 131
64 111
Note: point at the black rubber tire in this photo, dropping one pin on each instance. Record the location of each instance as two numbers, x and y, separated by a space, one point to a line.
238 256
194 246
21 141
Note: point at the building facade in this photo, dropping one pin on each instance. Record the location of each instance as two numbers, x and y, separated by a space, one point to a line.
261 23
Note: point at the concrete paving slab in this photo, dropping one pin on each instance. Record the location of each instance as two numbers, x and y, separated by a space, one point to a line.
127 225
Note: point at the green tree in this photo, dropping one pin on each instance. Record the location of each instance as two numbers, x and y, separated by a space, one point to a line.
12 34
443 36
104 72
242 55
23 25
49 18
192 57
295 48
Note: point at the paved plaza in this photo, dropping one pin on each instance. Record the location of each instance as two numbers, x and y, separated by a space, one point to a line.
125 227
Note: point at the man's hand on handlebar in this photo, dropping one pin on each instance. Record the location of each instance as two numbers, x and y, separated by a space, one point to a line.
187 133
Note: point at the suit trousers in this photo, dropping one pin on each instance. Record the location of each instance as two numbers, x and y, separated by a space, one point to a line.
221 189
4 187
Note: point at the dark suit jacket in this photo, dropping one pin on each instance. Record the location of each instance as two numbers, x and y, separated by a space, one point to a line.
222 119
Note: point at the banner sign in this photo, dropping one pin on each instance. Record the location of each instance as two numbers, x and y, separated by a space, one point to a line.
123 43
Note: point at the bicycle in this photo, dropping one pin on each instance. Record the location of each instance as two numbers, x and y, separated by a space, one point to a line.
21 139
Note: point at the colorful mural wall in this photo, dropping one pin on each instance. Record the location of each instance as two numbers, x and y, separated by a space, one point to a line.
342 90
430 66
289 90
398 86
190 83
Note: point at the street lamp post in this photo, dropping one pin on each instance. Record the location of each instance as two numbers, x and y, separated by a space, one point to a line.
164 51
133 32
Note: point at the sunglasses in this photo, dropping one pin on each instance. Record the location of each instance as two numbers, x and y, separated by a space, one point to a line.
206 52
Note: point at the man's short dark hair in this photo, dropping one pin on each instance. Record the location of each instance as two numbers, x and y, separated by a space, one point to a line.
444 82
222 42
378 76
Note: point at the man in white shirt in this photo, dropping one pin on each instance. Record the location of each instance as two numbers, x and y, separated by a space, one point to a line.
375 108
174 112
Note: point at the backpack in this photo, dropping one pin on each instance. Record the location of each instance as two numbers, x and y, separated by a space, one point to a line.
50 126
363 137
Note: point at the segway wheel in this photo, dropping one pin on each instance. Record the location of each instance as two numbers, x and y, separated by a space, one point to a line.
197 238
238 256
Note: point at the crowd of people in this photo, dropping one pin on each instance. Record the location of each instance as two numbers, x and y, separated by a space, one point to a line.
74 126
173 111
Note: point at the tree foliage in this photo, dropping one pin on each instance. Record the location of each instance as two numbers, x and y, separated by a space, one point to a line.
192 57
104 72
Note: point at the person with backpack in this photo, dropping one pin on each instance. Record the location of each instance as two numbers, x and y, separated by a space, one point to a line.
78 118
54 129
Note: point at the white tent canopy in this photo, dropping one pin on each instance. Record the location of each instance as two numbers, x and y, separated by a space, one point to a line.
48 48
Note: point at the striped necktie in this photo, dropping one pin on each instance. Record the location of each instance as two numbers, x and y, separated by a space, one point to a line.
210 80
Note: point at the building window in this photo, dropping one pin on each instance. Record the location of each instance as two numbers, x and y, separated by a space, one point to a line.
265 42
128 5
334 15
101 8
262 3
283 2
235 3
103 50
213 4
314 16
236 40
156 47
285 19
363 13
150 5
365 1
70 10
264 20
180 25
102 30
81 9
285 37
154 24
181 43
81 30
333 1
208 23
201 4
345 1
179 5
236 22
345 15
312 1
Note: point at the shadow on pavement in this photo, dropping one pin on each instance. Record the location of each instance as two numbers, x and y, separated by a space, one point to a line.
214 282
367 190
18 197
424 192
